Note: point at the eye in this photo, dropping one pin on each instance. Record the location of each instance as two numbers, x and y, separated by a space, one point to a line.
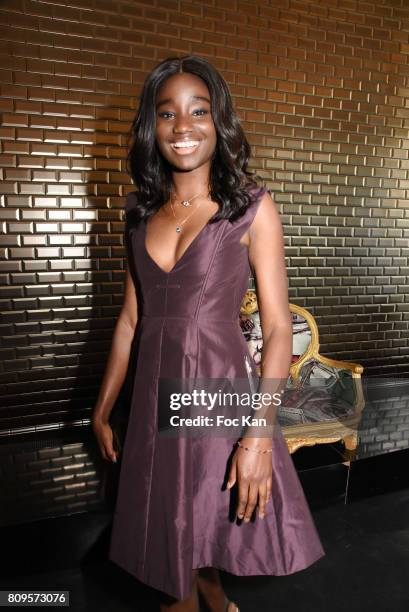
203 111
164 115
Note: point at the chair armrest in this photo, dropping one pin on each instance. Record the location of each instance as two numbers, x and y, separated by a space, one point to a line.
356 368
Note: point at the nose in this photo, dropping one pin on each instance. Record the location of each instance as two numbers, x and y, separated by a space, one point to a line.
182 124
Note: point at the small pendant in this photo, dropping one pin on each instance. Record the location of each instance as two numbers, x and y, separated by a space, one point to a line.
185 202
178 229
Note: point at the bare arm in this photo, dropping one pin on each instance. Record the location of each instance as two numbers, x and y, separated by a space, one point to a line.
266 253
116 369
251 470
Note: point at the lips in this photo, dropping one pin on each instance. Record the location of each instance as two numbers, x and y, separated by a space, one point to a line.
184 147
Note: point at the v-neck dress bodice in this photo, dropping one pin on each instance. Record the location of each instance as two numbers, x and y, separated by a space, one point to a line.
172 513
181 257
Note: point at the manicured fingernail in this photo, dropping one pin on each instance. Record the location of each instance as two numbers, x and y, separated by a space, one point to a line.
240 516
261 515
246 520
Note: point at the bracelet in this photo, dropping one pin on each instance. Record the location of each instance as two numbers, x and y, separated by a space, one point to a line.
260 452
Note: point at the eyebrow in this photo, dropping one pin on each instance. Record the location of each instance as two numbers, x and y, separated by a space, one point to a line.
169 100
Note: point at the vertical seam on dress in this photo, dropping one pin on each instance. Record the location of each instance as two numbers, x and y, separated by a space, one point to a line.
219 236
154 438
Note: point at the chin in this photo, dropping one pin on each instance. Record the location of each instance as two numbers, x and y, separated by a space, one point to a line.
185 165
188 165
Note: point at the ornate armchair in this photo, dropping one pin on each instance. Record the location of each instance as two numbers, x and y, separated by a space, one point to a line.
325 397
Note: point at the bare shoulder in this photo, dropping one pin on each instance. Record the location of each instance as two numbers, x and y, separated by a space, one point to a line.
267 218
267 259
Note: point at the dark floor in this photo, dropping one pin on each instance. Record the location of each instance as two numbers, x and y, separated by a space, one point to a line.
366 566
57 498
361 511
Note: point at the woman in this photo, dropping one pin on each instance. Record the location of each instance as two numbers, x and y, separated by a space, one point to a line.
196 224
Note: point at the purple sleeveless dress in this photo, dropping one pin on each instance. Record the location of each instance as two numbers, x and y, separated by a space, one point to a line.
173 513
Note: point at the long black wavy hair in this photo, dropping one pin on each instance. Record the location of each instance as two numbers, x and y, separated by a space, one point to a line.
150 171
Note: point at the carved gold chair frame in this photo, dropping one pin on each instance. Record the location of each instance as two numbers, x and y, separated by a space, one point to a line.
309 434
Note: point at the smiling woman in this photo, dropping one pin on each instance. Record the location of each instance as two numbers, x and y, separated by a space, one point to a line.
186 138
181 104
184 120
196 225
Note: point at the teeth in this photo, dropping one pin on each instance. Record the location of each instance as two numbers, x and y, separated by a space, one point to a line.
183 145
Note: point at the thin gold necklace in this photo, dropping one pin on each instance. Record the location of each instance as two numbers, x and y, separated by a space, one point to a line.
185 202
181 223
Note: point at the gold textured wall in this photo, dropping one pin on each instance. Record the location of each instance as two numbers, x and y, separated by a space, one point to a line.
322 89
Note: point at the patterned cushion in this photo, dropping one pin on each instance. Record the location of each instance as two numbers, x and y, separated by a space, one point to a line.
321 393
251 327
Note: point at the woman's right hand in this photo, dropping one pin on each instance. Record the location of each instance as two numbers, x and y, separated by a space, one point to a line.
105 438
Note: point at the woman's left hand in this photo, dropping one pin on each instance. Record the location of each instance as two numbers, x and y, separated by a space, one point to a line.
253 473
